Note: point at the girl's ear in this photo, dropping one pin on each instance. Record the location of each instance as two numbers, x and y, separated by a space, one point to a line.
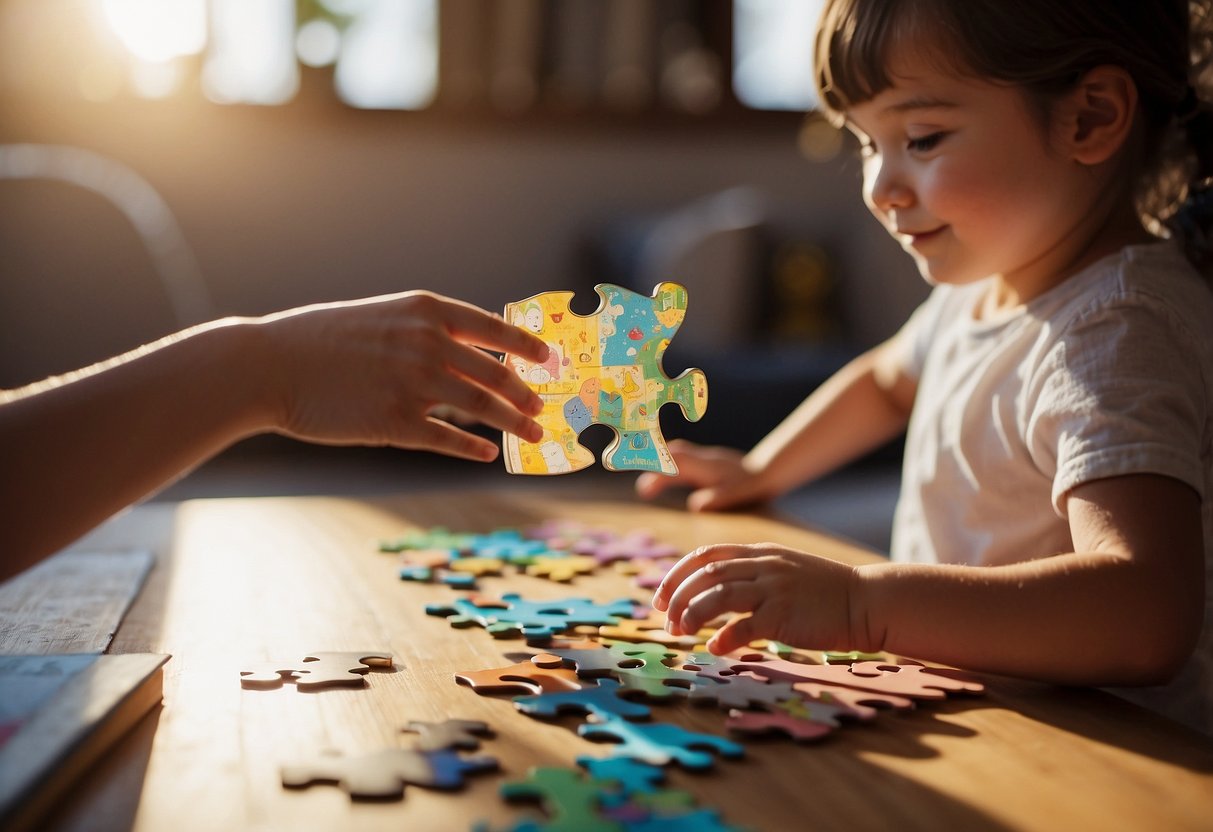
1096 117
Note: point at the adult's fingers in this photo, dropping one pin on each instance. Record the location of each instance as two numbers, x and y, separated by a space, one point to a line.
495 376
484 329
484 406
444 438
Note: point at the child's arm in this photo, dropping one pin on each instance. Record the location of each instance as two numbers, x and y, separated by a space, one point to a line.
860 407
75 449
1125 608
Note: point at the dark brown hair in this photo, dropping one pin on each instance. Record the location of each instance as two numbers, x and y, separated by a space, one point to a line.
1044 47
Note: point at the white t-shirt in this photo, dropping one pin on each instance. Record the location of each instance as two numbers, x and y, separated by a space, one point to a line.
1109 373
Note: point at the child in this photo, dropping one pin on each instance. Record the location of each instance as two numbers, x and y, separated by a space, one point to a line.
1056 513
369 372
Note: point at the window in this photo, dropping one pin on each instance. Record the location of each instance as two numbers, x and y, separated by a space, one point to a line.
507 57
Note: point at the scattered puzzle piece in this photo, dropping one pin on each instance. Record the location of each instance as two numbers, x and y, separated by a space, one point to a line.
633 776
317 670
535 620
742 692
601 699
539 674
382 775
652 629
571 800
766 722
450 733
561 568
909 680
603 368
659 743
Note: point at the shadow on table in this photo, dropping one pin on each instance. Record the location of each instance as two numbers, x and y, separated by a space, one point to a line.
107 795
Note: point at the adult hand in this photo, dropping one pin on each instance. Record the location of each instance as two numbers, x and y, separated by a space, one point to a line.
790 596
717 477
372 372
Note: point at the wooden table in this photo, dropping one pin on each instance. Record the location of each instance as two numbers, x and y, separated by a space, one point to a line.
251 579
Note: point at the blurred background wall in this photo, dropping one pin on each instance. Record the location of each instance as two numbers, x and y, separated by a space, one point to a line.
307 198
164 162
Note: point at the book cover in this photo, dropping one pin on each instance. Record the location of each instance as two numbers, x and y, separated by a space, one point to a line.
58 714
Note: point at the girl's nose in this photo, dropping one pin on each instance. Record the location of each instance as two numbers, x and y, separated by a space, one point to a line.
885 188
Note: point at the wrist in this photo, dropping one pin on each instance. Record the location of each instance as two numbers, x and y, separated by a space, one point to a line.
867 628
242 359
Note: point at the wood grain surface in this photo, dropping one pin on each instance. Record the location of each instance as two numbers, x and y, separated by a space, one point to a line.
246 580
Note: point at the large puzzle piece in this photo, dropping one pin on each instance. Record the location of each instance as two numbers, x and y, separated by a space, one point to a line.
604 368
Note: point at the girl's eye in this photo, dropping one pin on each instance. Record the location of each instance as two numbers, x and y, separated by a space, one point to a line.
923 144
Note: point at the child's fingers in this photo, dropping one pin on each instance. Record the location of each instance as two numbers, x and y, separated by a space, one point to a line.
688 566
737 633
649 484
736 595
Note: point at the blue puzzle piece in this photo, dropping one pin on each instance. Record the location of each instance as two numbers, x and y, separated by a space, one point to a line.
602 700
659 743
634 776
535 620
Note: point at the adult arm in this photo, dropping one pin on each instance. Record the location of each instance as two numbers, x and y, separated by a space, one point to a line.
77 448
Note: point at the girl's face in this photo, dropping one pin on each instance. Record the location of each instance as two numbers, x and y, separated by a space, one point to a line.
965 176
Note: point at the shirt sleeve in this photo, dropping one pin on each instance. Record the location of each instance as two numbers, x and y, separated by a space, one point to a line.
1116 394
911 343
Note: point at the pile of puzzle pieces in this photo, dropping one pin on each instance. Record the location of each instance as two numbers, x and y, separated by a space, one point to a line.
557 551
613 685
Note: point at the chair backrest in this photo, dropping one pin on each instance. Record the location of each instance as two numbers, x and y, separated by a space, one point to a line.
92 262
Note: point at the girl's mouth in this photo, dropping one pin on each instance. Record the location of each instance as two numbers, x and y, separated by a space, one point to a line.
919 238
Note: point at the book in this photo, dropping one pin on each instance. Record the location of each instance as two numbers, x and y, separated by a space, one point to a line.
58 714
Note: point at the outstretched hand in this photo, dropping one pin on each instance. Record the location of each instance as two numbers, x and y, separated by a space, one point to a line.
717 477
789 596
373 372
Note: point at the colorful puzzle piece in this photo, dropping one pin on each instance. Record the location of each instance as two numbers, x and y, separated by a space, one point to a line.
382 775
910 680
660 743
561 568
604 368
535 620
317 670
539 674
571 800
601 699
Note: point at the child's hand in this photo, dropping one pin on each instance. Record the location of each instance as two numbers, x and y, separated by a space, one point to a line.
793 597
717 477
374 371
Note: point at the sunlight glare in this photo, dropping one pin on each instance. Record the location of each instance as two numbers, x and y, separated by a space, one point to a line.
157 31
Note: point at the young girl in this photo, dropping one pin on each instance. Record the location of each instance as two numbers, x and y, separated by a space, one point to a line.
1048 166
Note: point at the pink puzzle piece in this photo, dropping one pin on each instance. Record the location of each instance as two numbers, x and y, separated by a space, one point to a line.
765 722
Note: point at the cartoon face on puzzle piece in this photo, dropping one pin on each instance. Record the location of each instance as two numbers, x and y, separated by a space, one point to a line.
604 368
